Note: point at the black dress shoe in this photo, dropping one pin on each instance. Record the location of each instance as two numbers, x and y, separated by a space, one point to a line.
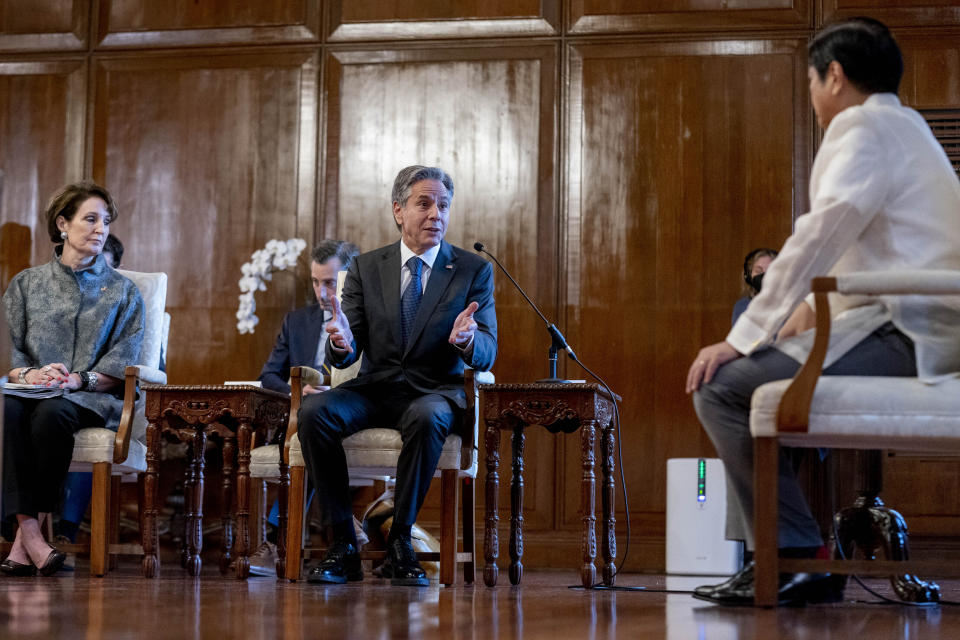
17 570
745 574
341 563
401 565
795 589
53 563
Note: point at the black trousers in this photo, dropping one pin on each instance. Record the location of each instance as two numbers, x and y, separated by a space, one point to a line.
37 447
325 419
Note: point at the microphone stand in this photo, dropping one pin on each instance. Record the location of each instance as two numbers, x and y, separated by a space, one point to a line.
557 341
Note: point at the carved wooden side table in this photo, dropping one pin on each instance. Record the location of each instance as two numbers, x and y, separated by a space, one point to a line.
559 408
236 415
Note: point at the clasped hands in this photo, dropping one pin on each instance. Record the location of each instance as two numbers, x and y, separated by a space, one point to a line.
55 375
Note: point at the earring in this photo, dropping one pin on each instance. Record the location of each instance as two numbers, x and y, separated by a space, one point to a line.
63 235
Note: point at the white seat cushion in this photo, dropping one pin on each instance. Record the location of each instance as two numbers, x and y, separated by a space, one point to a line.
96 445
369 452
885 412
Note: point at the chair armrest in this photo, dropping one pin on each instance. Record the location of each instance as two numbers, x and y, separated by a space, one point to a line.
471 417
793 414
151 375
296 394
910 281
121 442
484 377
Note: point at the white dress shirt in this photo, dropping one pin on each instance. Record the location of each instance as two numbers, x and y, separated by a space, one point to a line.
884 196
429 257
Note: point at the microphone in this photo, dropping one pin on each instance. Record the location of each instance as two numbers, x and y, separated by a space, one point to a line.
558 342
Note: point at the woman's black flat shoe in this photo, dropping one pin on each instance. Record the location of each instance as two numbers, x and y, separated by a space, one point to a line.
16 570
53 563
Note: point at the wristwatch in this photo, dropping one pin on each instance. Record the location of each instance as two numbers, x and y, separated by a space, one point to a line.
22 376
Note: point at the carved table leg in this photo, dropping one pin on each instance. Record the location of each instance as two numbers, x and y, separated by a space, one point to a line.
516 507
608 495
243 500
869 526
194 492
226 518
283 494
491 541
149 536
588 571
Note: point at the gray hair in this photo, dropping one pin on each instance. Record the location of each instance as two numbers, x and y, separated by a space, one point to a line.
340 249
413 174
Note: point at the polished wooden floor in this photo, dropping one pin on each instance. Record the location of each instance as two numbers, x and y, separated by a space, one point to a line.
124 605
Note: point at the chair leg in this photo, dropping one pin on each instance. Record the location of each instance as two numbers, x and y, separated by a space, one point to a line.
765 478
448 526
468 496
295 509
114 528
99 518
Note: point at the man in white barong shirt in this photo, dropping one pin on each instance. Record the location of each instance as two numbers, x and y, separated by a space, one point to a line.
883 196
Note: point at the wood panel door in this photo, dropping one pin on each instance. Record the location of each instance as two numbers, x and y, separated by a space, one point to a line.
681 157
209 157
487 115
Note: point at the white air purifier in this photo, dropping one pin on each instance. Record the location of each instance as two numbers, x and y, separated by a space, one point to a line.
696 516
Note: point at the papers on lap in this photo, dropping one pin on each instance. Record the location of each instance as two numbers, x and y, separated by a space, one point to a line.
35 391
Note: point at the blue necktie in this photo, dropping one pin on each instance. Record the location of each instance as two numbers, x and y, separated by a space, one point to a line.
410 301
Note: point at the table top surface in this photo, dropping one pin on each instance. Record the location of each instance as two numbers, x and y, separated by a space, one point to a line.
222 389
552 387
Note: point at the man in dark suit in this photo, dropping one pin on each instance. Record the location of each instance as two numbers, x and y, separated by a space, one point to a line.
302 340
418 310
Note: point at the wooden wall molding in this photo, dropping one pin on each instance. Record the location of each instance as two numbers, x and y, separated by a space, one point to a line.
184 23
48 25
893 13
350 20
622 16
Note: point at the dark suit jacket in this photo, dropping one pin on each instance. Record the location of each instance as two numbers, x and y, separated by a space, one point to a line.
371 302
296 346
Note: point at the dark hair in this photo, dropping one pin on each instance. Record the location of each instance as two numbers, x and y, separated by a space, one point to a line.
340 249
68 199
114 247
866 50
751 258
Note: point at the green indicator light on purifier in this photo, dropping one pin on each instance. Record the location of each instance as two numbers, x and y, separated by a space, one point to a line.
701 480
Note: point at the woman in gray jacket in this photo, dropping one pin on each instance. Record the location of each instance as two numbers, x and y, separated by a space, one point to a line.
75 324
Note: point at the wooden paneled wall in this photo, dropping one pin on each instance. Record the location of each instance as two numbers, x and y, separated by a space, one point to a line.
619 157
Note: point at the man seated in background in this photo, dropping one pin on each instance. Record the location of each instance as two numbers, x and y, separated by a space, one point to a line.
302 342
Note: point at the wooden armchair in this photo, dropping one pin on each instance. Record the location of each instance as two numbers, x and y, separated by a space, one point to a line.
848 412
374 453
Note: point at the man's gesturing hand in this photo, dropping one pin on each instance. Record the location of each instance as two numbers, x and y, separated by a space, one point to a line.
341 338
464 327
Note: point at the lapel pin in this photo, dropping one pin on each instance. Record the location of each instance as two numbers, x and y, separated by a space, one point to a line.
449 266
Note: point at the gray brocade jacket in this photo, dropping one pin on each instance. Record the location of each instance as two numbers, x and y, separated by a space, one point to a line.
90 320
